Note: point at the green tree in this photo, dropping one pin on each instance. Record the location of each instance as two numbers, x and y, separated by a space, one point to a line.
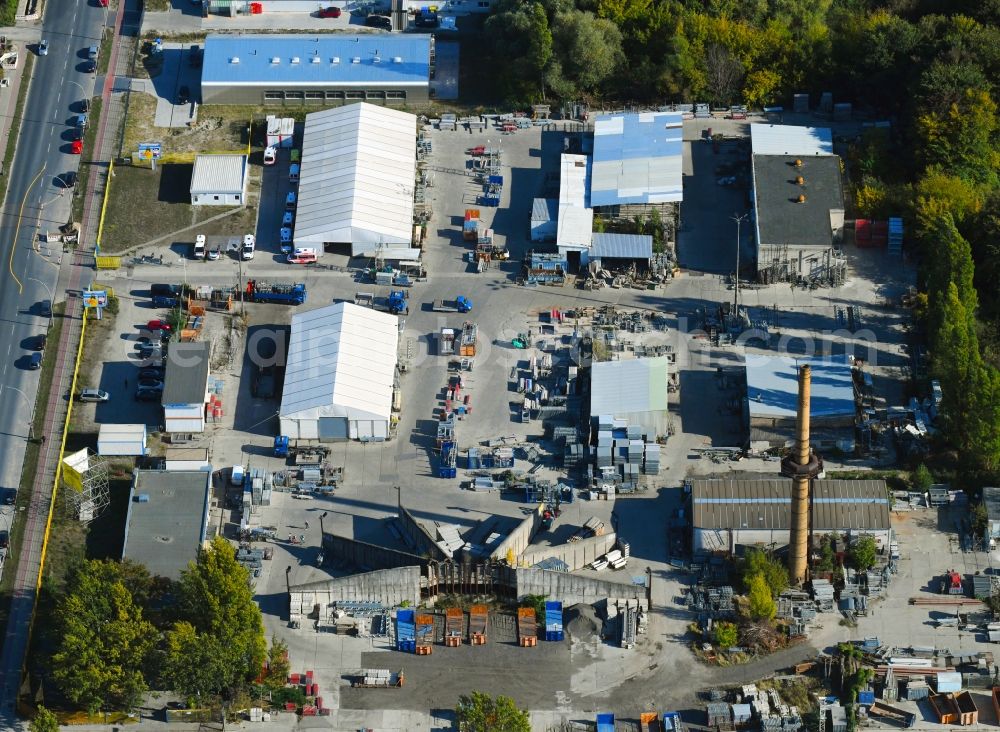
44 721
479 712
587 52
724 634
961 139
762 605
827 557
862 553
102 641
217 618
519 34
774 572
980 520
921 479
278 664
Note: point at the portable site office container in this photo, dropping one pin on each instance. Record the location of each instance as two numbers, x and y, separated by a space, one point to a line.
122 439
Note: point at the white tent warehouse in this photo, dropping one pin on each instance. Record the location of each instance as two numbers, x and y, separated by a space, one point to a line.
340 374
357 178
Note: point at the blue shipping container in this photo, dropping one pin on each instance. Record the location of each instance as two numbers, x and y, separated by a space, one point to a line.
405 638
605 723
866 697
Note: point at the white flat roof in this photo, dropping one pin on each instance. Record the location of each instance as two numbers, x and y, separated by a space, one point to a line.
576 218
630 386
773 386
219 174
356 183
768 139
341 363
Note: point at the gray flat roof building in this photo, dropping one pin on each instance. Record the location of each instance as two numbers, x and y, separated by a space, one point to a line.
727 513
782 219
167 519
187 373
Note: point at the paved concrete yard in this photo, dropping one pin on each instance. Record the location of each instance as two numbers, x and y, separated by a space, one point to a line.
659 671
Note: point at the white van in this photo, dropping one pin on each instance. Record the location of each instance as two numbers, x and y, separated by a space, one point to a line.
293 173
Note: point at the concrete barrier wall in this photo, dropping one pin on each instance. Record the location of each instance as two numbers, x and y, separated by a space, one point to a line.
368 556
572 589
577 554
520 538
419 539
388 586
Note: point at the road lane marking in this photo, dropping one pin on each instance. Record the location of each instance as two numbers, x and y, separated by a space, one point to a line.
17 230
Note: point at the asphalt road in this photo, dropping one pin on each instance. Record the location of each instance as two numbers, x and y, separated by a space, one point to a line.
34 204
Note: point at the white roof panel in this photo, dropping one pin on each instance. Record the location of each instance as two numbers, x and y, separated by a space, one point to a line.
218 174
358 170
790 140
576 219
341 363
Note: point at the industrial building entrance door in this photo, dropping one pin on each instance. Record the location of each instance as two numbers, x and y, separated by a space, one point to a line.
333 428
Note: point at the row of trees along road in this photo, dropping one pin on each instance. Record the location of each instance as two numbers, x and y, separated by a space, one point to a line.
120 632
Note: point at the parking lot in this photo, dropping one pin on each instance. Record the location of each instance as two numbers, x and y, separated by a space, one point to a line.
368 496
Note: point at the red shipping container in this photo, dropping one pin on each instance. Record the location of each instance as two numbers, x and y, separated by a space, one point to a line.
309 689
293 679
319 702
316 694
289 706
309 676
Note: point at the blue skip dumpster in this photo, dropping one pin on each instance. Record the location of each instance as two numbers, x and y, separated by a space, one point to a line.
553 620
406 640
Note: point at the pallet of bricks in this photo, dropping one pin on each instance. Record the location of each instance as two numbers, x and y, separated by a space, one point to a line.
314 702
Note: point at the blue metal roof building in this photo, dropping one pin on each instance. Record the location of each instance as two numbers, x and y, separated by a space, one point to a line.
637 159
316 69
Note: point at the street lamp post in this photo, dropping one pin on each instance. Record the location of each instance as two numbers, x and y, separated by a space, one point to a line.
52 298
31 409
736 297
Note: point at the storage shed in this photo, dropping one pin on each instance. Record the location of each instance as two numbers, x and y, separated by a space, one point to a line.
544 219
340 376
356 186
219 180
611 250
185 388
122 439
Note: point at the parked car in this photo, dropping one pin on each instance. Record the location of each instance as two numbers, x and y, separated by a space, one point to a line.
270 155
302 255
379 21
330 12
158 325
164 290
152 384
147 395
40 342
288 218
93 51
151 373
164 301
43 48
94 395
35 361
249 244
286 235
68 179
45 308
215 253
199 247
76 147
290 200
90 66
